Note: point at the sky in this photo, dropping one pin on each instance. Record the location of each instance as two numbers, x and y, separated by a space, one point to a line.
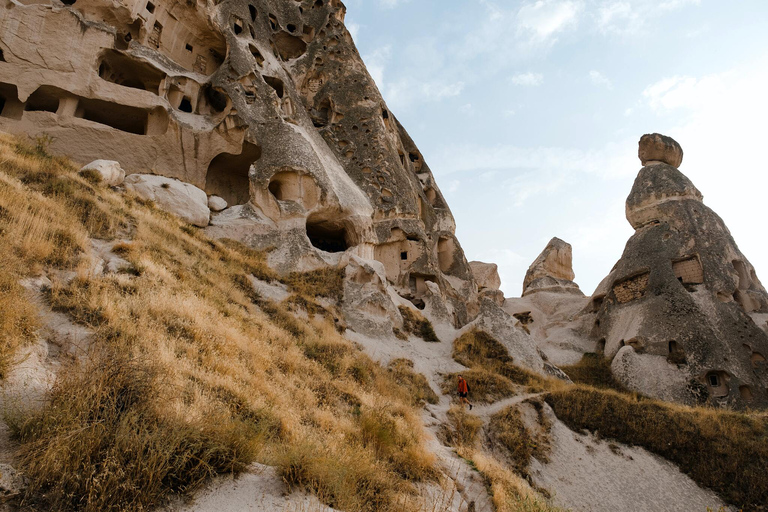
529 112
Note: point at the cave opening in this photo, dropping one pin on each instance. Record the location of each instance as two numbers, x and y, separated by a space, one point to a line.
228 174
328 236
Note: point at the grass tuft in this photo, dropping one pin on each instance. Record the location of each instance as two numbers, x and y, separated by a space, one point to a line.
419 389
593 370
414 323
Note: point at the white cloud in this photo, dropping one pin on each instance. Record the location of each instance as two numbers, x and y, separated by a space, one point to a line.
542 20
528 79
354 29
613 160
719 119
391 4
626 17
376 63
600 79
406 91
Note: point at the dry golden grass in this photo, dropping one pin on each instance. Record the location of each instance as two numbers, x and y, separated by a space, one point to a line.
420 390
593 370
509 492
189 367
725 451
415 323
18 316
509 430
485 387
462 428
479 350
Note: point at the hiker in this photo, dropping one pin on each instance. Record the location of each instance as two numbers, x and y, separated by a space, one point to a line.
463 392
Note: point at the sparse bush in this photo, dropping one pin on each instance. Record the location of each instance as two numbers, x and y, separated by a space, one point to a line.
479 350
419 389
725 451
509 430
417 325
102 442
462 427
323 282
484 386
593 370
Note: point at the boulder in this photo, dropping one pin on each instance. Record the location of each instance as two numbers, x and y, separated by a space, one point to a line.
655 148
216 203
486 275
182 199
110 171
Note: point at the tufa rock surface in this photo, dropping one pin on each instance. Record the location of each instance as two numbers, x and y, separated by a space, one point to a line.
486 275
683 314
182 199
553 269
110 171
655 148
265 104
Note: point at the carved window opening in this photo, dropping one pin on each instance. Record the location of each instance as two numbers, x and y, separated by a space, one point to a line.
688 270
10 106
237 26
124 70
256 55
717 383
42 100
150 7
154 37
632 288
404 255
186 105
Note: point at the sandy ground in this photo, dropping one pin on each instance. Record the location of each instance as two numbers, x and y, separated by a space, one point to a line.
259 489
589 474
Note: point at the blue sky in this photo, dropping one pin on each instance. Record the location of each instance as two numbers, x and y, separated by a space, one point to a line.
529 112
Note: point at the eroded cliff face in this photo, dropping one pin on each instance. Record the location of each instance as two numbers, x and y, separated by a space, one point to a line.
682 314
266 104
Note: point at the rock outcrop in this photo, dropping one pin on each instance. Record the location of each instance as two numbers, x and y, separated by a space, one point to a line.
682 314
182 199
264 103
553 269
109 171
265 110
551 306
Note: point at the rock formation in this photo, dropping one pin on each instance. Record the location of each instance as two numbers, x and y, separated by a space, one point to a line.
265 112
682 314
551 305
553 269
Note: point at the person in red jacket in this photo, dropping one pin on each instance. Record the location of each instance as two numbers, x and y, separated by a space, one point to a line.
464 392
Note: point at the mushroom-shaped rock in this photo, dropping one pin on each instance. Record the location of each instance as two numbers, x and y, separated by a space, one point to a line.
174 196
216 203
682 311
110 171
486 275
655 148
552 269
655 189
